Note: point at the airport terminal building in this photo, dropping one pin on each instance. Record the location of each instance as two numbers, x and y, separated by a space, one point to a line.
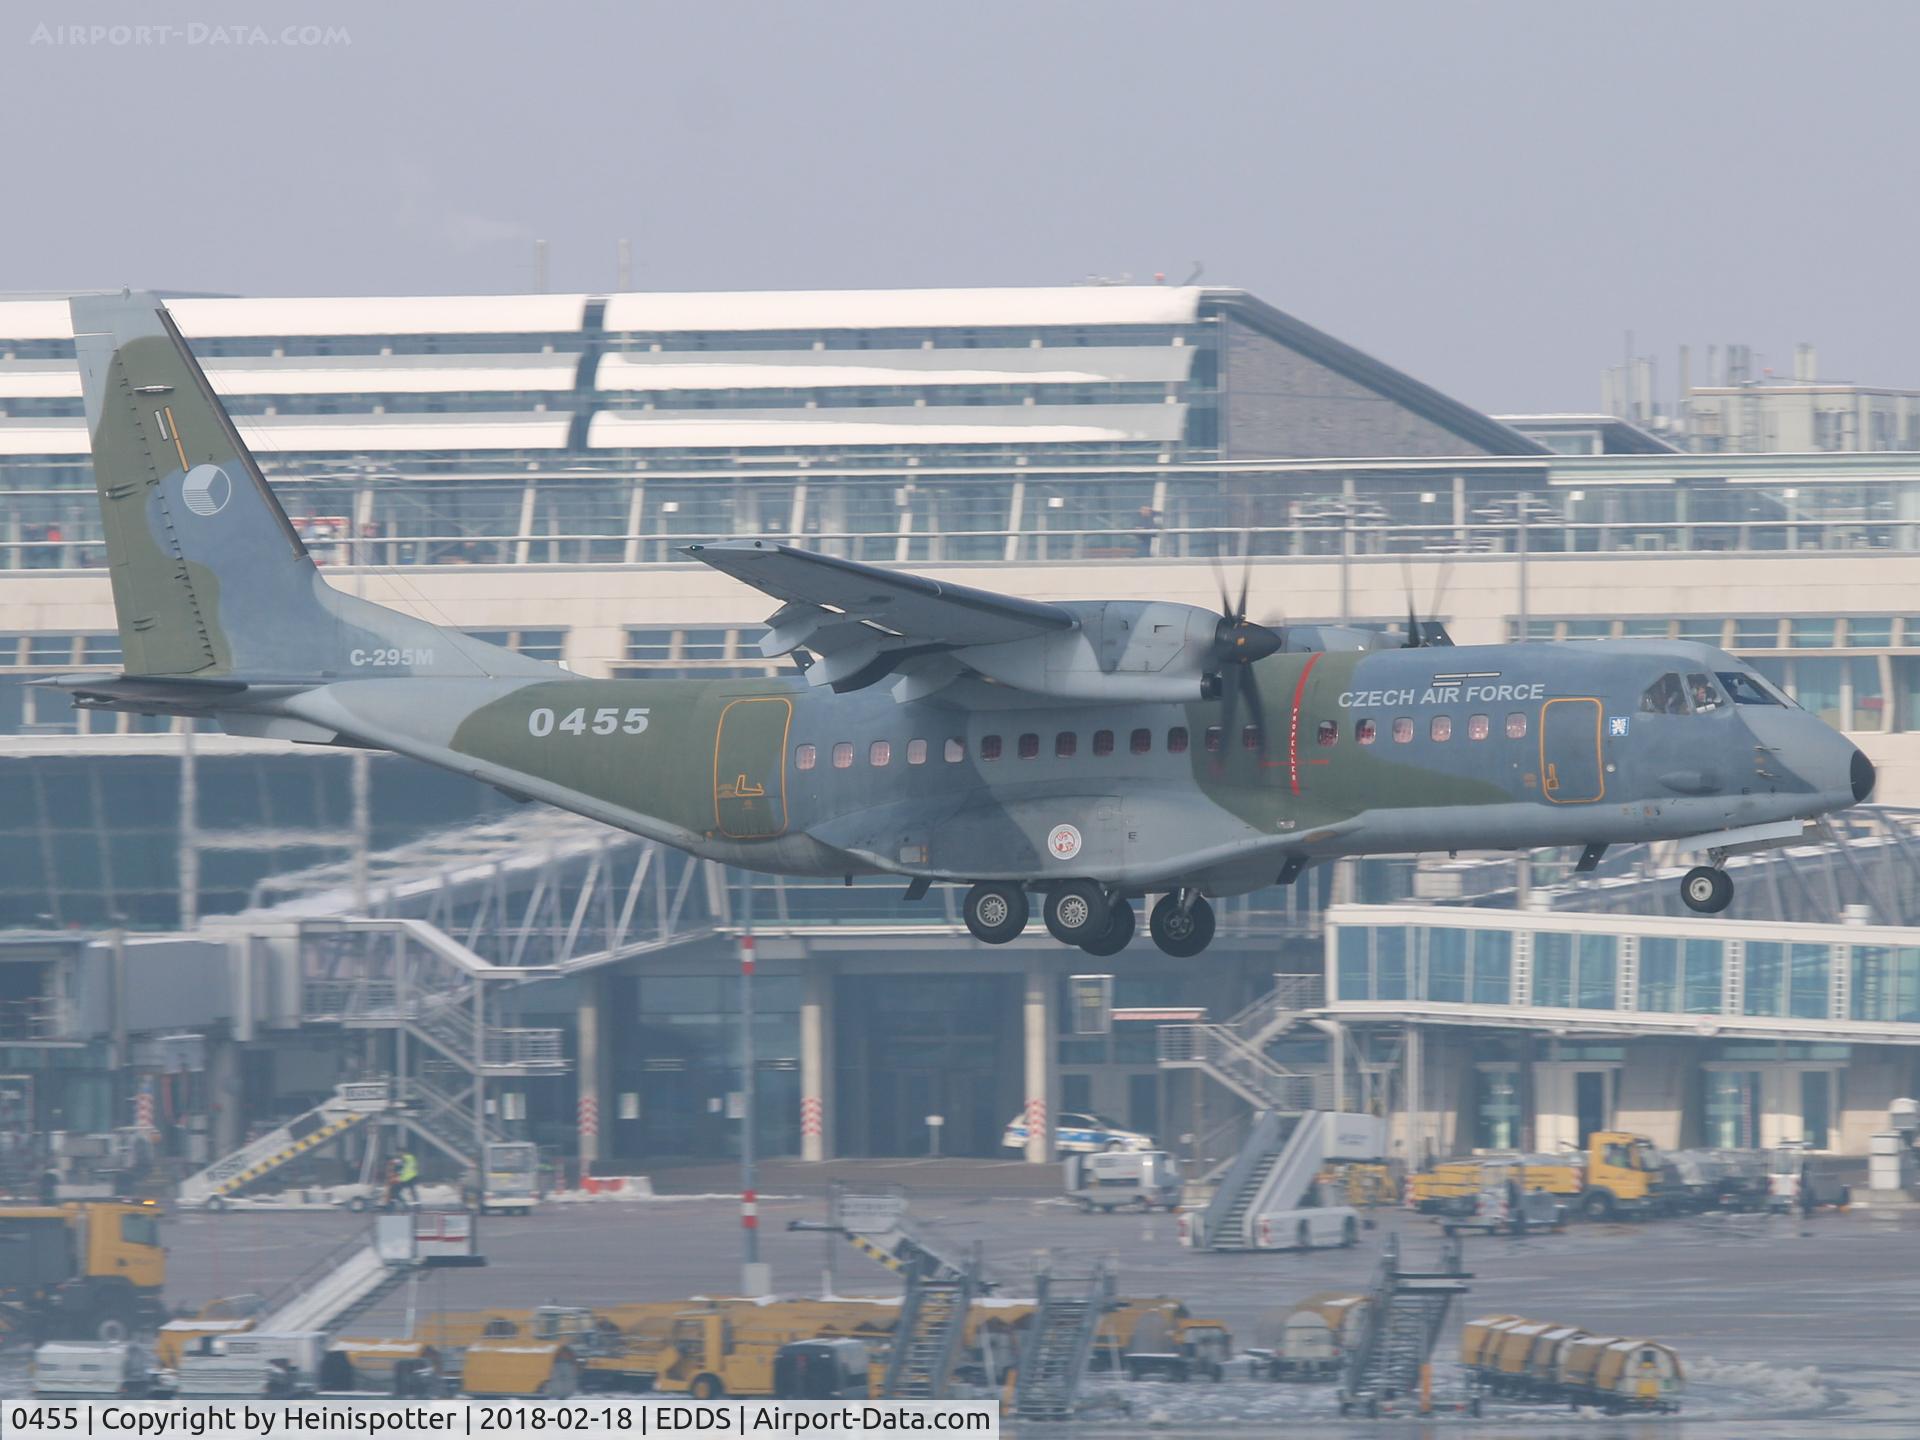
527 467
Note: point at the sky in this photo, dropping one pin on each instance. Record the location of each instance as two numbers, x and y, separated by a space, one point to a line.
1489 195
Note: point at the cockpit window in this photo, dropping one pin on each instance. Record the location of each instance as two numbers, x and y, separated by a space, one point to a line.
1666 696
1749 689
1704 694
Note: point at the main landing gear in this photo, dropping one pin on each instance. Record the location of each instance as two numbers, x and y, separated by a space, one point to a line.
1083 914
1706 889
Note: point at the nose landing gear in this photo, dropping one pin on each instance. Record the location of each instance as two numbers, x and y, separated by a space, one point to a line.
1182 923
1706 889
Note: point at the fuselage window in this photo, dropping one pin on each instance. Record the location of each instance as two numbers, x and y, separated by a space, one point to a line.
1103 742
1703 692
1215 740
1517 725
916 752
1141 741
1478 727
1029 746
805 757
1065 744
1177 740
989 747
1403 729
880 752
1328 733
1249 737
956 751
1364 732
1664 697
843 755
1441 728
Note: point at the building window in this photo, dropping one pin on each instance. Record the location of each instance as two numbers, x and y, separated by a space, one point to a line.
1886 982
1030 746
1807 969
1702 964
1177 740
843 755
956 751
1065 744
1390 962
916 752
805 757
1441 728
1327 733
1517 725
1447 965
1141 741
880 753
1766 966
1597 973
1403 730
1478 727
1364 732
1553 971
1492 967
1103 742
1659 974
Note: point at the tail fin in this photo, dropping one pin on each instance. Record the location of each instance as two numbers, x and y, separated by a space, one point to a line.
210 578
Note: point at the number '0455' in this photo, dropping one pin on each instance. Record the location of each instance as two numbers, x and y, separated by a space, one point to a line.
607 720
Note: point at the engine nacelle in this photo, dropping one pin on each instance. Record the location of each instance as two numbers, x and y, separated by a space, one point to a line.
1122 650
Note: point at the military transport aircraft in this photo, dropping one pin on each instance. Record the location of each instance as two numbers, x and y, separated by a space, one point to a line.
1085 753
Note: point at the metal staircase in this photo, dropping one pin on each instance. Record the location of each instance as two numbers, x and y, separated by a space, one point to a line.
876 1223
1059 1342
1234 1054
926 1341
1386 1366
349 1107
436 998
350 1280
1234 1229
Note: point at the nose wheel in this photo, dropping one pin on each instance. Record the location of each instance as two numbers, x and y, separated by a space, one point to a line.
1181 929
1705 890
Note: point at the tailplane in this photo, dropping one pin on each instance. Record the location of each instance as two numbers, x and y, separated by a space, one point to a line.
211 583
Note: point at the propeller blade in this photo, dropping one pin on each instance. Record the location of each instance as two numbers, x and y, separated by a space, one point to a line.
1246 574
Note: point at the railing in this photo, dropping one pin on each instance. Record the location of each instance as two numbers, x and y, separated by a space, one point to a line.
1371 538
1230 1060
1290 995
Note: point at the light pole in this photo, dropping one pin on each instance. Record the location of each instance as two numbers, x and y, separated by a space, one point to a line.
754 1280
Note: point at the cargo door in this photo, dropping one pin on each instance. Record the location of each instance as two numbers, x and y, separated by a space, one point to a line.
1570 765
750 768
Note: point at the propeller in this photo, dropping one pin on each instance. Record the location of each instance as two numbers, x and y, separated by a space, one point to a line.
1424 634
1237 644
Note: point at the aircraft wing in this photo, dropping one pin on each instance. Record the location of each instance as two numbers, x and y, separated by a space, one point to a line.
864 623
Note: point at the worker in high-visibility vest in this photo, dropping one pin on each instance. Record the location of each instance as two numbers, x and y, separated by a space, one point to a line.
406 1182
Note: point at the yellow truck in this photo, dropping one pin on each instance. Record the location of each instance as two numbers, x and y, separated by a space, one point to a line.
1619 1174
83 1270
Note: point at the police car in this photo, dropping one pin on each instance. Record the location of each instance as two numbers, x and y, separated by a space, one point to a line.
1075 1133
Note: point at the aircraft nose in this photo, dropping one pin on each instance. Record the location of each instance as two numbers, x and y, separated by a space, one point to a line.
1863 776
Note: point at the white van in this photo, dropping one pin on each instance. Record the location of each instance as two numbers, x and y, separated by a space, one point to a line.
1139 1179
64 1367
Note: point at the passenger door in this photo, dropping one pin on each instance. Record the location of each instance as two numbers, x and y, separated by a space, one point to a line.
1571 767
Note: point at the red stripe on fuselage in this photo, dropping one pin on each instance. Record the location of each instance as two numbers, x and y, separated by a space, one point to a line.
1293 726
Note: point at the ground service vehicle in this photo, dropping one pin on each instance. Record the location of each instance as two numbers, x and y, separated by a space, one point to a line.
1137 1179
93 1369
385 1367
1316 1335
520 1367
510 1177
822 1370
88 1269
1358 1182
1522 1359
1621 1174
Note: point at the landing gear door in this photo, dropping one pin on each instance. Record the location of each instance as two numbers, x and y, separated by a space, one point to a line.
1572 771
750 768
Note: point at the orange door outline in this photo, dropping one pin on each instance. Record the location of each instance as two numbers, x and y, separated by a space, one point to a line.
1549 776
739 786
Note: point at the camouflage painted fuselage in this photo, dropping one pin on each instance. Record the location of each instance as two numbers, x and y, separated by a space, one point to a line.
1541 748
